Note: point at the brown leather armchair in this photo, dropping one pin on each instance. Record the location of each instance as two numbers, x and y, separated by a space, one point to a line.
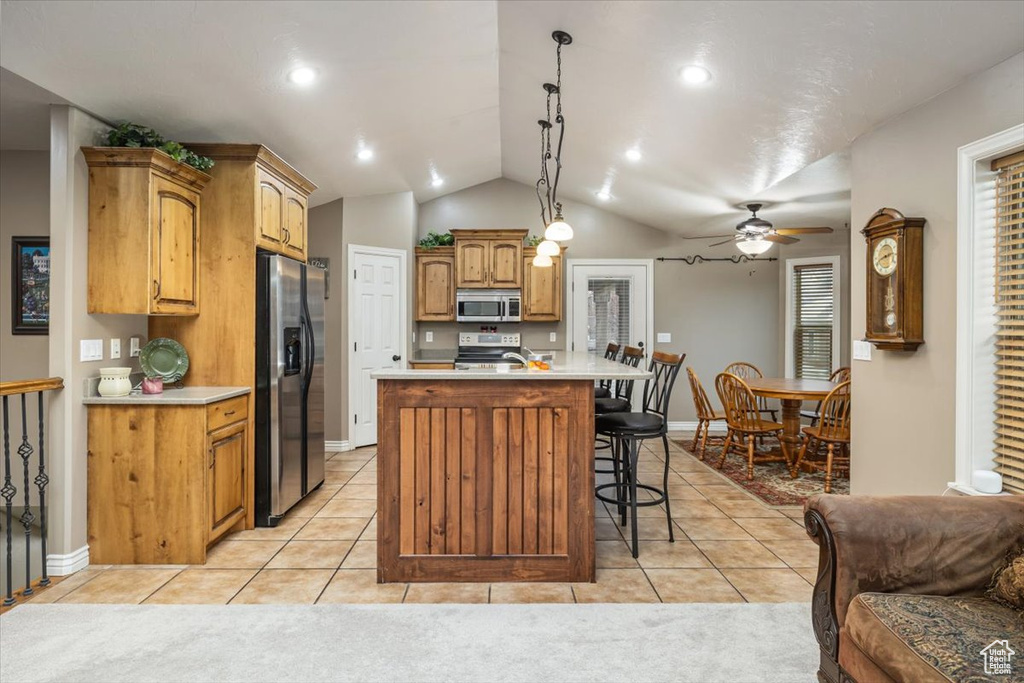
901 582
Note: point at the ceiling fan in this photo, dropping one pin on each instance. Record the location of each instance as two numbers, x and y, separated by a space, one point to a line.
755 235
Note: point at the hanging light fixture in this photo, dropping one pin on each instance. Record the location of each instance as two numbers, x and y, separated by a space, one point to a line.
543 261
754 245
556 229
548 248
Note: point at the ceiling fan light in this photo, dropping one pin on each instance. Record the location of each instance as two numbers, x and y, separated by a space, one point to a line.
542 261
754 247
548 248
558 230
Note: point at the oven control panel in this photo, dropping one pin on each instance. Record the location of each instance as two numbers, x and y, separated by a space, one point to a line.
489 339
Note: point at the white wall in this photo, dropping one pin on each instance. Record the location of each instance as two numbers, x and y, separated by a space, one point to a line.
903 423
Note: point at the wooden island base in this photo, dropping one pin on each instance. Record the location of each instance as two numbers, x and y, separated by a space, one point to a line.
485 480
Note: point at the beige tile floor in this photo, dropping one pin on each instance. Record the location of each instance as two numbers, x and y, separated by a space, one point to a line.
729 547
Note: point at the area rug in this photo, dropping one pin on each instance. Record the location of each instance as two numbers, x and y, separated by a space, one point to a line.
772 482
252 643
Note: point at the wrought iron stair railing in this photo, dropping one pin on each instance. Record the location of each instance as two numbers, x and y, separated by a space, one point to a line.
20 391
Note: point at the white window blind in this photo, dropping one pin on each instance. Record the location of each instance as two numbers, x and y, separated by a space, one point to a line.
1009 291
813 318
608 315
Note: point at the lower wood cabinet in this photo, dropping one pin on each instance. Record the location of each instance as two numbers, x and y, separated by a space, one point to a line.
165 481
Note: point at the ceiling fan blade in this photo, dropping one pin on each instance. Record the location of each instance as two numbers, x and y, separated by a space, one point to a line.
716 244
803 231
708 237
779 239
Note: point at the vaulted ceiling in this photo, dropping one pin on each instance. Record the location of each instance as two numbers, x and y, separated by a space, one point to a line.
453 89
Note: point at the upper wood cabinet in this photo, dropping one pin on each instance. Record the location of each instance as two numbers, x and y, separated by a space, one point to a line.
294 233
144 232
542 289
269 210
489 259
435 284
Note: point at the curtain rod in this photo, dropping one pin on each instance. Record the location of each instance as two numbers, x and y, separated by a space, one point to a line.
739 258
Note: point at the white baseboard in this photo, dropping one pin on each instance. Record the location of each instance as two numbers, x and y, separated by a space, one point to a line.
692 427
337 446
62 565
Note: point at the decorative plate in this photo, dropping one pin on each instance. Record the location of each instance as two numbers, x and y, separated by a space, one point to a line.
164 358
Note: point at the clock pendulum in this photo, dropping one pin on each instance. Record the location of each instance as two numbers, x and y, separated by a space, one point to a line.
890 304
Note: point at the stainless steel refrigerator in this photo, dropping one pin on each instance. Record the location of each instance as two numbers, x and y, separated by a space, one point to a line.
289 384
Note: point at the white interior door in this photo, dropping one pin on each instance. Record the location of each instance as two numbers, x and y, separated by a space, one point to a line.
611 301
376 324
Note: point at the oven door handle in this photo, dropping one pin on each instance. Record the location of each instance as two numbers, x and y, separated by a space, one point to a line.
502 303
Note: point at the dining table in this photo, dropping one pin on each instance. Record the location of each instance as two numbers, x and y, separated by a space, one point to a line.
792 393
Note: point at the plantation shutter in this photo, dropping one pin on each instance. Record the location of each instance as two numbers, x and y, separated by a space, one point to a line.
1009 291
813 319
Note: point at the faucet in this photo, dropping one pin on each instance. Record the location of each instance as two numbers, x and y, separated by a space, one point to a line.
516 356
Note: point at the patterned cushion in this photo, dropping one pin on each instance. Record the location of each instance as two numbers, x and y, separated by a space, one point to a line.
1008 588
924 638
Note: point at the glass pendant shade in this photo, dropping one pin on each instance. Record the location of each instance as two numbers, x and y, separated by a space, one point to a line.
754 247
548 248
558 230
543 261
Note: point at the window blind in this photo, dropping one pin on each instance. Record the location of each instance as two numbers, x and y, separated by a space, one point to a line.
813 320
1009 292
608 314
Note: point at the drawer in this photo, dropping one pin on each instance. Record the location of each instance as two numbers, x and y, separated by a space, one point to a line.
225 412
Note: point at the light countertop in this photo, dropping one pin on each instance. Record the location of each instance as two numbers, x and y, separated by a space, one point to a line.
570 366
186 396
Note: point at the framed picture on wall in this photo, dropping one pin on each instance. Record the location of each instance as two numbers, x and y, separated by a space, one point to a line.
30 285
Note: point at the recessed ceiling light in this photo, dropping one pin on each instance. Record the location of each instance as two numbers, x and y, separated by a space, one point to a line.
603 195
695 75
303 75
634 154
365 154
437 182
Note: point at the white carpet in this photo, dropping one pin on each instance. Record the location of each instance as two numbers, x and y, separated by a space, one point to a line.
692 642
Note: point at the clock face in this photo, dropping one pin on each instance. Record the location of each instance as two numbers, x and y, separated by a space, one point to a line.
884 258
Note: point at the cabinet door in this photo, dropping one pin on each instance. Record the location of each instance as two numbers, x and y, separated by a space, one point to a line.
226 480
435 287
542 291
270 201
472 261
174 231
505 261
294 233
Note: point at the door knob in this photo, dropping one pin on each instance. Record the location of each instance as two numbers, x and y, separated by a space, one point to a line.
396 358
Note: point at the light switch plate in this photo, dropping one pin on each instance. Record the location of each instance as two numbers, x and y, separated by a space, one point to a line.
664 337
90 349
115 349
861 350
428 336
553 337
133 347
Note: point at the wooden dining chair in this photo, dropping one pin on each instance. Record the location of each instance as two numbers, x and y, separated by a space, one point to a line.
746 372
838 376
743 418
604 386
832 430
706 414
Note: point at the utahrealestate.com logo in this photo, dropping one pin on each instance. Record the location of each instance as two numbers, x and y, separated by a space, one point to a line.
997 658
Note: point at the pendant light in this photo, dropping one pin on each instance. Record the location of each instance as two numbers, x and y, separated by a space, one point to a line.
556 229
754 246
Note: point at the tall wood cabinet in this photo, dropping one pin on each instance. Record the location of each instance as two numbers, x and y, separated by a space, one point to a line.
435 284
489 259
255 199
144 232
542 289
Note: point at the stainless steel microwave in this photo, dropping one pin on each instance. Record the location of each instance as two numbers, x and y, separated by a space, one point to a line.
488 305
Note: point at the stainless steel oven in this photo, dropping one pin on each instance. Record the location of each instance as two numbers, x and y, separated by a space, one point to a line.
488 305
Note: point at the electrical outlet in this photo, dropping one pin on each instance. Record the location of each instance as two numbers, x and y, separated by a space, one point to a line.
115 349
664 337
553 337
861 350
133 347
90 349
428 336
413 337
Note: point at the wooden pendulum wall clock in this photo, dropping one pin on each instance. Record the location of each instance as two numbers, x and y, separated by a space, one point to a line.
895 281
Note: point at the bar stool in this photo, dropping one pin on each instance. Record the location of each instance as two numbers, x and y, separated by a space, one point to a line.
621 401
628 430
604 386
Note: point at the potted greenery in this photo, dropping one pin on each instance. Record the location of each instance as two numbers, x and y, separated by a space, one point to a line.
434 239
133 135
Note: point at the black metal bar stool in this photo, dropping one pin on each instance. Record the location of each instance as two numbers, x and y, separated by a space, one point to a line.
628 430
620 402
603 389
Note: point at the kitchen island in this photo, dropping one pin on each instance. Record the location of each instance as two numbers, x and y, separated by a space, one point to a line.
488 475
